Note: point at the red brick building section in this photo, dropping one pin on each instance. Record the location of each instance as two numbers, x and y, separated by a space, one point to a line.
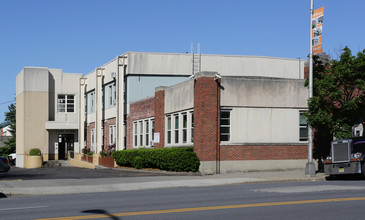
88 136
263 152
206 117
138 110
107 124
159 108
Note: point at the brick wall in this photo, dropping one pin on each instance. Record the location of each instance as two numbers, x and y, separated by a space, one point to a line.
107 123
206 117
263 152
159 106
88 136
138 110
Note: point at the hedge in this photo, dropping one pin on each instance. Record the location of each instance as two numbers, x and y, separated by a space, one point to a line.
170 159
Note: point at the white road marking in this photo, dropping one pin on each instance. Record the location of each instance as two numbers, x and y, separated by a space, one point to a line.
20 208
304 189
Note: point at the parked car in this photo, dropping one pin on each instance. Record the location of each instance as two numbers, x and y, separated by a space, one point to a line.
4 164
12 158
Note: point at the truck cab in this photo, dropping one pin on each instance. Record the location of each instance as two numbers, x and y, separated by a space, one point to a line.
347 157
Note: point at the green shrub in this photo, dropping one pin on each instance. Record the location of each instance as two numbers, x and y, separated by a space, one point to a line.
170 159
104 153
35 152
138 162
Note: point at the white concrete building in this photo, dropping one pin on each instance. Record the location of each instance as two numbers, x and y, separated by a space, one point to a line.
61 113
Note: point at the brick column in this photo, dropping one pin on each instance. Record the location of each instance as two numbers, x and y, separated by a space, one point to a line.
206 117
160 115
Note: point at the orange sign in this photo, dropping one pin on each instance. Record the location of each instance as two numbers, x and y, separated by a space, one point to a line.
317 22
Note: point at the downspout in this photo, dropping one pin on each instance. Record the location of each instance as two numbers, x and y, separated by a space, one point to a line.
218 168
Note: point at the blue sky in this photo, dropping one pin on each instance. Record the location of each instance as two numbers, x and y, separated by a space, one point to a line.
80 35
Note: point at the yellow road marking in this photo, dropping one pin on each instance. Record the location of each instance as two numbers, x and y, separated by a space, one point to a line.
11 180
207 208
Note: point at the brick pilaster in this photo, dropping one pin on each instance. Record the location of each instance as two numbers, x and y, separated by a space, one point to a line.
160 115
206 116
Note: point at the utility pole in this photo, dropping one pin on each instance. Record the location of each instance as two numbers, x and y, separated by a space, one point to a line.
310 167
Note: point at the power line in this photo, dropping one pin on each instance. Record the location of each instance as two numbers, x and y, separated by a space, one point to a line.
2 103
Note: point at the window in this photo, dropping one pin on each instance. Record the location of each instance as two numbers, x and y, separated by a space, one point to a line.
66 103
179 128
176 129
169 129
153 129
92 101
112 134
141 133
110 95
147 132
135 134
225 125
303 127
93 140
185 128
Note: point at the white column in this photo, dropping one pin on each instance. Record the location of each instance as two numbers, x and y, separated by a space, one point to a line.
121 62
99 108
81 116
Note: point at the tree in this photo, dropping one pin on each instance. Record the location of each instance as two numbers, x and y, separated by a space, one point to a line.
338 100
10 118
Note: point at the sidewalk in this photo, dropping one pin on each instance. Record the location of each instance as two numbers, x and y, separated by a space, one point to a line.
74 186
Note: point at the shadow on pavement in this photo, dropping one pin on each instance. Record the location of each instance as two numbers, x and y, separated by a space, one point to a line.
346 177
102 212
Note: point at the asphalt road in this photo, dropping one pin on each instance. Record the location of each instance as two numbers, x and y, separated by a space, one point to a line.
16 173
296 200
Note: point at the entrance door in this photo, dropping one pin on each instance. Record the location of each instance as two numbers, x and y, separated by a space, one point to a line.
65 144
61 151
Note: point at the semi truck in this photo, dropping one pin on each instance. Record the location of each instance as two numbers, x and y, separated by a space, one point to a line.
347 157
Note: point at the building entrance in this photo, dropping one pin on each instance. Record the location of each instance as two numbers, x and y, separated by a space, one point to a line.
65 144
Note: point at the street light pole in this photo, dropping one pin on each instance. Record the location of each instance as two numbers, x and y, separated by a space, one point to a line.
310 167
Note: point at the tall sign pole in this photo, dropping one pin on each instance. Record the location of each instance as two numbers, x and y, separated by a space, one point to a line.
310 167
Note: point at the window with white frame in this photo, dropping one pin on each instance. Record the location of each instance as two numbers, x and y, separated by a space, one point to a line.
112 134
176 137
110 88
112 95
147 132
169 129
153 129
66 103
142 132
179 128
184 127
303 127
135 129
92 102
225 125
92 140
